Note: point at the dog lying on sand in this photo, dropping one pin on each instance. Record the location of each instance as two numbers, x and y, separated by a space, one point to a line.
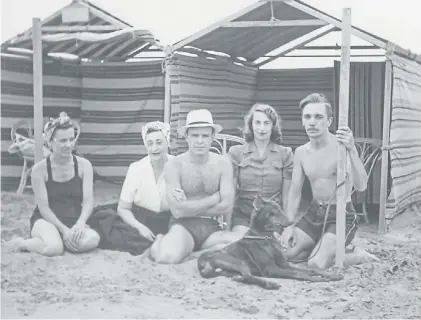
258 254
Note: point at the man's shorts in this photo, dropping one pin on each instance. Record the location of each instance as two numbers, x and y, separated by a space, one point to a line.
199 228
312 222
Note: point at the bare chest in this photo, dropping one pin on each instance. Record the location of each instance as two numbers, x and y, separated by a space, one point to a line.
199 180
321 163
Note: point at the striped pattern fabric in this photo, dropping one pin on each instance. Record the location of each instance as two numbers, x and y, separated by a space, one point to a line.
365 117
284 89
405 137
62 92
117 100
224 88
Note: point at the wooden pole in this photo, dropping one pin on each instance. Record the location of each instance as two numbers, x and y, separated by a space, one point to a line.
167 93
38 93
167 100
386 138
341 196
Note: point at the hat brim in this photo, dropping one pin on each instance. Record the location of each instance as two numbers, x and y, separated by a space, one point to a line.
182 130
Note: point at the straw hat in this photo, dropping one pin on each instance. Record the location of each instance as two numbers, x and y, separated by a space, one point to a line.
199 119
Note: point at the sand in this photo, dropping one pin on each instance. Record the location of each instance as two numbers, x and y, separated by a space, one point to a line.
105 284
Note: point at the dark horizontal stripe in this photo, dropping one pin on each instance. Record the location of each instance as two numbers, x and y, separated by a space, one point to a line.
27 111
127 70
50 67
8 159
124 95
156 115
10 183
26 89
115 162
123 91
110 138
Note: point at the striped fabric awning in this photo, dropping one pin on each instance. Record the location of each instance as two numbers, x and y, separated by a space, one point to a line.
85 30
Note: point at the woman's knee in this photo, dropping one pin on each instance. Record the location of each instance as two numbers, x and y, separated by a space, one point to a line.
90 240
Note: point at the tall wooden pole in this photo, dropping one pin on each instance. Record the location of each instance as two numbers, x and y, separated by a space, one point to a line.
37 86
386 138
167 93
341 196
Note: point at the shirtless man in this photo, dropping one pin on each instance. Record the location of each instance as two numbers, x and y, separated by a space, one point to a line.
199 189
318 160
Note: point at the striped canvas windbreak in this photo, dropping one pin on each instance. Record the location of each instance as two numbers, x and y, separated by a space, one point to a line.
405 134
117 100
284 89
61 92
224 88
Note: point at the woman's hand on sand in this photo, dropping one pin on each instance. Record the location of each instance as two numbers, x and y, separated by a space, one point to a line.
77 232
67 239
179 195
145 232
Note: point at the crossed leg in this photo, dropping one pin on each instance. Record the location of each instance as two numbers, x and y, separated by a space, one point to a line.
46 240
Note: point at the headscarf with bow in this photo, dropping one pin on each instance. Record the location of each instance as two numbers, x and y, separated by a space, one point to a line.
51 126
156 126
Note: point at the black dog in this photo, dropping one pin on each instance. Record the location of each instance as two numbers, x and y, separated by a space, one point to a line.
258 253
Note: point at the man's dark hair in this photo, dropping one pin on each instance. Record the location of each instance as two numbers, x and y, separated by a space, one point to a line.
317 98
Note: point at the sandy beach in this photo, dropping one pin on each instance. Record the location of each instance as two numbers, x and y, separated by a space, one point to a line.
105 284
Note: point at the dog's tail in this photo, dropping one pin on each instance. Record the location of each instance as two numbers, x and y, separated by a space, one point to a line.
263 283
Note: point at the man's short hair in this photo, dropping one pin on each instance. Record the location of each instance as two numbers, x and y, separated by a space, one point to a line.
317 98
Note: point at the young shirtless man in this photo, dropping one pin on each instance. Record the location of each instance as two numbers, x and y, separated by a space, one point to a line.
199 189
318 160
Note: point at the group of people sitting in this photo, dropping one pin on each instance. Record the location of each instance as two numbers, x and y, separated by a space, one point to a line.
173 205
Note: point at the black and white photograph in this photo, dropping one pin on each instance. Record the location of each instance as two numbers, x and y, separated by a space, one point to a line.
224 159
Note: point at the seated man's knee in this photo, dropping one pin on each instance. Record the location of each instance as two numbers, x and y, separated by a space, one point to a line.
53 249
324 257
319 262
168 256
292 252
175 246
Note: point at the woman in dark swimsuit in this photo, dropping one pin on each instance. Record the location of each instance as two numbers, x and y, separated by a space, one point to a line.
63 188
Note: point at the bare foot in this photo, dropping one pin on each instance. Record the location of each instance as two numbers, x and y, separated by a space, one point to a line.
18 245
359 256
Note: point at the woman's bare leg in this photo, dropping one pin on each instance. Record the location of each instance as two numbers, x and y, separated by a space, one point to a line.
45 239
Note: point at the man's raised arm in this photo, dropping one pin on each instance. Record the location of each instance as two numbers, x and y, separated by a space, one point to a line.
186 208
294 195
226 190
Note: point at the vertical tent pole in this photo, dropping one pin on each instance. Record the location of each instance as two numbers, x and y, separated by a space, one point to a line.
38 94
167 99
343 121
386 138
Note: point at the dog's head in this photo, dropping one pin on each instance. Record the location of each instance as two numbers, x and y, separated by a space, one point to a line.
267 216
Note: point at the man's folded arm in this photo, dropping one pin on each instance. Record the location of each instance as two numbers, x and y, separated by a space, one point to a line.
226 190
186 208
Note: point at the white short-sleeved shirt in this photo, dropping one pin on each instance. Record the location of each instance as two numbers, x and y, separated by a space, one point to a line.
141 188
